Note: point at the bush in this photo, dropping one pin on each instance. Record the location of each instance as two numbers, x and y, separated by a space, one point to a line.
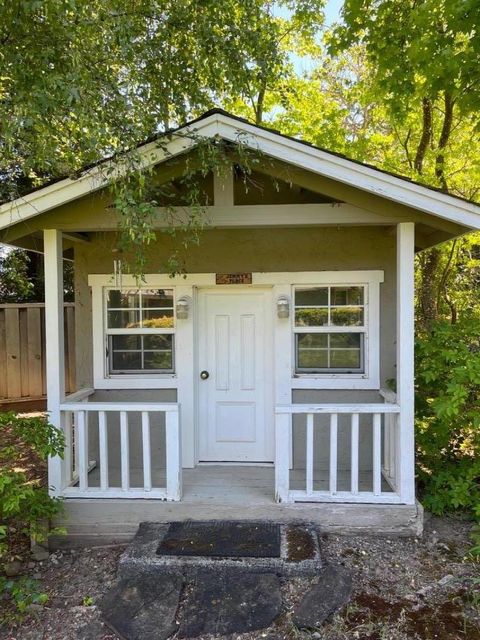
24 502
448 416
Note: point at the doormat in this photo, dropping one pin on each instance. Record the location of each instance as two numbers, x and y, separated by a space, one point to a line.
222 539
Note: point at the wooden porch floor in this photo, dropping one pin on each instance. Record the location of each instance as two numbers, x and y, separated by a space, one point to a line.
234 484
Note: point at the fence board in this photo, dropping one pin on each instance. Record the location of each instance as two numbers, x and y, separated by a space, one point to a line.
34 325
3 358
22 350
12 355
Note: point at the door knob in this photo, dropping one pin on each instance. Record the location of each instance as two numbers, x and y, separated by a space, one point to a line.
204 375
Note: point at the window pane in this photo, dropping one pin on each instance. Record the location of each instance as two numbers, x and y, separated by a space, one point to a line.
345 359
311 317
312 359
157 298
123 299
126 360
158 360
157 343
157 319
126 343
346 296
123 319
312 340
312 352
345 340
311 296
346 316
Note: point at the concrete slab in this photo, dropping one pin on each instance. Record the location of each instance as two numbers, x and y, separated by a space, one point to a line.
299 555
91 522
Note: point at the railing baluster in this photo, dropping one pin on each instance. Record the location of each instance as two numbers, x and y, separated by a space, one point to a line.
124 451
283 424
67 456
333 452
174 461
309 458
393 433
147 469
82 444
377 451
354 455
103 449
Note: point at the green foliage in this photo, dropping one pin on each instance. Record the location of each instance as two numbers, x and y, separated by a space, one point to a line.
417 48
136 198
21 277
18 595
448 417
24 502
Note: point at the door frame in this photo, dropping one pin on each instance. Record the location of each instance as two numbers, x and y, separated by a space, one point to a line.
269 362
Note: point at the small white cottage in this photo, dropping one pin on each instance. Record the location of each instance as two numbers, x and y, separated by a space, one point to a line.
256 386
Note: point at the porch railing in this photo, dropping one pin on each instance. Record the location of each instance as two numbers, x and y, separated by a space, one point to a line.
77 412
383 422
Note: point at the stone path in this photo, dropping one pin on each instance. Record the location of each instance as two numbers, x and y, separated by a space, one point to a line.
154 602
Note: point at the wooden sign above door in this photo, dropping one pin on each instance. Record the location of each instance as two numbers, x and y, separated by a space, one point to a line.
233 278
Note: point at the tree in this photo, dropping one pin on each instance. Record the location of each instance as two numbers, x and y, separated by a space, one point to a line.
85 79
81 79
21 277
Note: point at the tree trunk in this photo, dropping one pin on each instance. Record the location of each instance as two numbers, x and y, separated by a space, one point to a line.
426 135
427 291
443 141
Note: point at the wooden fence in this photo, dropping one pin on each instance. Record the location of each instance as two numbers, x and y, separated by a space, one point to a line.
22 350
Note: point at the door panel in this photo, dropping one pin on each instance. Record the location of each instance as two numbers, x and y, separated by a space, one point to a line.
235 401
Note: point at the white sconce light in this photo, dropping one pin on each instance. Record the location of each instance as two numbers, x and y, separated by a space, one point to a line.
283 307
183 308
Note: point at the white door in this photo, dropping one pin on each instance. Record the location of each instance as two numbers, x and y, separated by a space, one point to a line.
235 400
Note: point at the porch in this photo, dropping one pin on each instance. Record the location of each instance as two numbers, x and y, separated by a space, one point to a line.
344 453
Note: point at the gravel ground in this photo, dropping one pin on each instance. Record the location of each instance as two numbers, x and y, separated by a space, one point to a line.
404 589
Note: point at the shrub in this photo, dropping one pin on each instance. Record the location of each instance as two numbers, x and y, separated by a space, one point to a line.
448 416
24 500
25 504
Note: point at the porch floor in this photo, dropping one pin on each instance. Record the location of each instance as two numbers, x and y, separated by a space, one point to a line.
234 484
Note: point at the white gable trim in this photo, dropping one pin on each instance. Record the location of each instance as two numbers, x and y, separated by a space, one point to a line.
291 151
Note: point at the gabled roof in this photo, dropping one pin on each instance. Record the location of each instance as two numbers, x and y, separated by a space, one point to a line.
219 123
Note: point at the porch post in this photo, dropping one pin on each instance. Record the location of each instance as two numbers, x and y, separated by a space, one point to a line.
405 367
55 356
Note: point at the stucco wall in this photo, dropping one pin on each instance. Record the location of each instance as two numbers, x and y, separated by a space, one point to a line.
245 250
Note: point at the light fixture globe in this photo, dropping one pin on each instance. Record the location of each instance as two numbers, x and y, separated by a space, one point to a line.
183 308
283 307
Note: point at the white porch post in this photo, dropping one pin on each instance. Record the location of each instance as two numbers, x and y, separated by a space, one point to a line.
405 367
52 239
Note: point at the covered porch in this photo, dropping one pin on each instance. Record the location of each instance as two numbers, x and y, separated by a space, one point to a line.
137 454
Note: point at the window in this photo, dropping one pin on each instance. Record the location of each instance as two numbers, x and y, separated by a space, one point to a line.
140 327
330 329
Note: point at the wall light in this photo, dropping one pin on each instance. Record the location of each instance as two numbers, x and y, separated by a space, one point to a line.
283 307
183 308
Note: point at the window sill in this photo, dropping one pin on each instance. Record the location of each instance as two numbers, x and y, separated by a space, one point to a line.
334 381
167 381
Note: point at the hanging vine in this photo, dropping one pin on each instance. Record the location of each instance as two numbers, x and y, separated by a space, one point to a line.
142 217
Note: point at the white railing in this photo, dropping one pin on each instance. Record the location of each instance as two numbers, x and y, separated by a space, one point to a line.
76 415
383 418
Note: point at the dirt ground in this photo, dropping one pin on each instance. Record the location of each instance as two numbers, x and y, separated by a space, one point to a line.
403 589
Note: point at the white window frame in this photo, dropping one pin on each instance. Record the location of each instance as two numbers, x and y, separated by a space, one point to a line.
330 329
369 378
138 331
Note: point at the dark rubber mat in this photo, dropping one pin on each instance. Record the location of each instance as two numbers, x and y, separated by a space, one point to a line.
222 539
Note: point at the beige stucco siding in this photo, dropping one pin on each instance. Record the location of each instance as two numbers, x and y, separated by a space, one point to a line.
256 250
240 250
